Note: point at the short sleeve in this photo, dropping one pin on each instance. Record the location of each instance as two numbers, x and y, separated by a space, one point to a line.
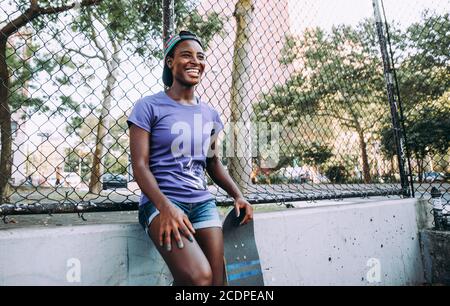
142 115
218 124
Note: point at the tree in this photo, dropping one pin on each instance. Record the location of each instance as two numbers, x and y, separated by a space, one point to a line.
424 89
129 27
39 13
428 132
423 74
241 105
116 153
316 154
337 174
340 79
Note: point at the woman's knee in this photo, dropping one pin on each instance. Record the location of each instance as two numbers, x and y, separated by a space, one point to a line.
201 277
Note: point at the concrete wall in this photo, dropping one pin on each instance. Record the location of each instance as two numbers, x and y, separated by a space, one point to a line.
356 244
366 243
100 254
436 256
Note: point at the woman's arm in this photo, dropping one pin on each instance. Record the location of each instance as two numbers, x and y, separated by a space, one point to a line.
172 220
221 177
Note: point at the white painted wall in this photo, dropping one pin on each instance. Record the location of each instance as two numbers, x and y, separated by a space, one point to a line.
341 244
324 245
119 254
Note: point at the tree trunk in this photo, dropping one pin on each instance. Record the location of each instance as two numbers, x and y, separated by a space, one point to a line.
365 159
95 185
5 125
241 105
392 172
420 166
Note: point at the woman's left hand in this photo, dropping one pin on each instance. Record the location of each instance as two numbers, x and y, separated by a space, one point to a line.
243 203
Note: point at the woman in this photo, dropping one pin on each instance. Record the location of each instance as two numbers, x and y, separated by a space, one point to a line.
172 141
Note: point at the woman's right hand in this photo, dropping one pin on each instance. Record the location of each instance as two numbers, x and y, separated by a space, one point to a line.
174 221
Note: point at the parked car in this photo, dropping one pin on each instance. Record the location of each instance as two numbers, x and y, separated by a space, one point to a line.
112 181
431 177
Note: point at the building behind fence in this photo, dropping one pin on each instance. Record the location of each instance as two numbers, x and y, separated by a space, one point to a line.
355 93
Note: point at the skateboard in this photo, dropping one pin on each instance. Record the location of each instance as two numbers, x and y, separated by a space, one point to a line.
241 258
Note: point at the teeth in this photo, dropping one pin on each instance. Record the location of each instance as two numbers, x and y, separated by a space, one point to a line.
193 72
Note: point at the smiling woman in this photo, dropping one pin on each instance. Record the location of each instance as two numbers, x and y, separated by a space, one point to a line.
188 65
172 142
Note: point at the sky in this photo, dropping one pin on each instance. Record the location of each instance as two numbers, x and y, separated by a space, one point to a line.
325 13
134 82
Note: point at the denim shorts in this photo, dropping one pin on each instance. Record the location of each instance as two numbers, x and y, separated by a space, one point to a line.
201 214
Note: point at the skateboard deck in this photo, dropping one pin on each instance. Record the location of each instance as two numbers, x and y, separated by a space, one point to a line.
242 265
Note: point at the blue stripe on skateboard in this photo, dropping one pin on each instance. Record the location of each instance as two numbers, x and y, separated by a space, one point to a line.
238 265
245 274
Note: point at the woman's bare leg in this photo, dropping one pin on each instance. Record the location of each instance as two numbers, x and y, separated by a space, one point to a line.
211 242
189 266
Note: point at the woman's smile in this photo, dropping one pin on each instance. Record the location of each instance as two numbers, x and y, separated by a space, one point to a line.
193 72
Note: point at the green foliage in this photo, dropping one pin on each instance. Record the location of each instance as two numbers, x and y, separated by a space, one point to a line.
342 78
24 74
116 157
72 161
424 89
137 25
117 165
288 53
76 159
424 74
387 141
339 81
337 174
427 132
47 21
316 154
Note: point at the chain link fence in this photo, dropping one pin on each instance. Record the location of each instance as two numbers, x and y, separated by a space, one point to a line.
320 99
420 45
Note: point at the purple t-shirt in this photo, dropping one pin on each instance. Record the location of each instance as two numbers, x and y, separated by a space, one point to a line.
180 136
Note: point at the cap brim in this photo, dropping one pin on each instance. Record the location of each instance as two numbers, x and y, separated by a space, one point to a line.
167 76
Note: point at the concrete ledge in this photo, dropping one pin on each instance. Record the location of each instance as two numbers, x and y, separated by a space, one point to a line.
102 254
366 243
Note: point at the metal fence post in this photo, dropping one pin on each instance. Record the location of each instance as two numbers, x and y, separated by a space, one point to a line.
168 18
394 106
